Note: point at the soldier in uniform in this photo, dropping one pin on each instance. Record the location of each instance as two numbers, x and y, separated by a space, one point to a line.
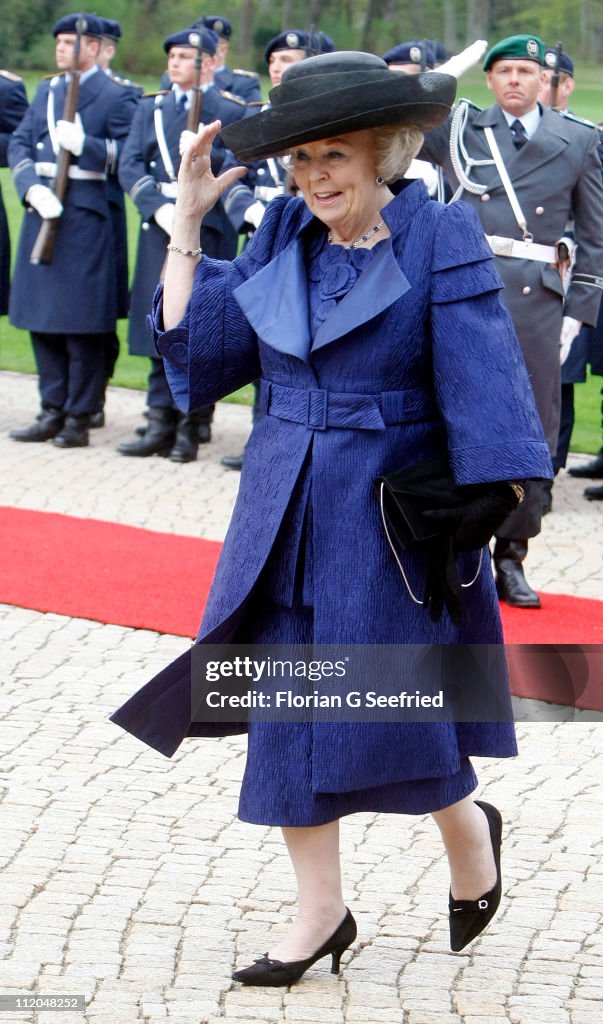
554 173
69 305
110 38
148 172
13 104
245 84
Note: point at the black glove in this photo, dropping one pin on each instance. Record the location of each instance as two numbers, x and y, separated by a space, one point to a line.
442 582
472 525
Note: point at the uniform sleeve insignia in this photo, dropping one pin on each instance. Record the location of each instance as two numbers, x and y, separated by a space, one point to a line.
231 96
11 76
248 74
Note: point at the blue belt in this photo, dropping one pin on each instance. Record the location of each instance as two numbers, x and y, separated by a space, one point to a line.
319 409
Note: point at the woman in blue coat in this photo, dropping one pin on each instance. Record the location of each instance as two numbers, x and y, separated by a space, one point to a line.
376 326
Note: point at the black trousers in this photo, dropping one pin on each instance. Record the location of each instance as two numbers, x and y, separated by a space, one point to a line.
71 370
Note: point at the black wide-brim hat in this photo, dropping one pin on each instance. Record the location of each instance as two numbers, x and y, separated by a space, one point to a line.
336 93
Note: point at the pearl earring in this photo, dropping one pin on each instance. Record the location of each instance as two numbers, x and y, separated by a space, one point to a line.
379 180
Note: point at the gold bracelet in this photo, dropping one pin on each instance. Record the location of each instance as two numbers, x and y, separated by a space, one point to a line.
184 252
518 491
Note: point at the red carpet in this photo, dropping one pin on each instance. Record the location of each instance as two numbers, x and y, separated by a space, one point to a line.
89 569
103 571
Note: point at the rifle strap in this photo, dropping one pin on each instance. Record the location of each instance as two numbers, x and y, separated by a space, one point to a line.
161 139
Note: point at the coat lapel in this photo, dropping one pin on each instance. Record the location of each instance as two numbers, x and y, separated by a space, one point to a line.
379 285
275 301
90 89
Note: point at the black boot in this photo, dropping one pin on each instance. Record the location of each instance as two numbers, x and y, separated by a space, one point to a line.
47 425
186 445
592 470
205 416
97 420
511 584
74 433
594 493
232 461
158 437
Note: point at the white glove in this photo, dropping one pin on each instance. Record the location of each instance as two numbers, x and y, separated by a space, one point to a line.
423 169
164 217
71 135
464 60
569 330
254 214
43 200
186 140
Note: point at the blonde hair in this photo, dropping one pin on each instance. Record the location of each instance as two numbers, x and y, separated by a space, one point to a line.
395 147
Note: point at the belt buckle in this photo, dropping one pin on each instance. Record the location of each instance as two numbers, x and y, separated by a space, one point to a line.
501 246
316 414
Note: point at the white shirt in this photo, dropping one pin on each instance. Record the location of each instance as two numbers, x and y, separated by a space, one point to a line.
530 121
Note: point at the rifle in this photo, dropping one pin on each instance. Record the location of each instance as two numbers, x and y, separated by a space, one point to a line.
194 111
423 46
555 75
43 249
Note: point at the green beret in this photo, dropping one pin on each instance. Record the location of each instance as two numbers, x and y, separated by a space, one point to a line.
516 48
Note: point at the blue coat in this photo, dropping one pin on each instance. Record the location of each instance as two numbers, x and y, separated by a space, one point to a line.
142 173
77 292
245 84
13 104
419 359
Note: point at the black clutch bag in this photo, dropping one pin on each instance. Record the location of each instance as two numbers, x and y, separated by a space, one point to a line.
406 493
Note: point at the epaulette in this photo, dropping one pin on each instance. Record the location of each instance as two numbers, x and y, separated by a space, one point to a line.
248 74
231 96
55 74
578 120
256 103
468 103
11 76
151 95
127 82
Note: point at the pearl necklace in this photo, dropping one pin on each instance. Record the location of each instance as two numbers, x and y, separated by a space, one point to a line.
359 241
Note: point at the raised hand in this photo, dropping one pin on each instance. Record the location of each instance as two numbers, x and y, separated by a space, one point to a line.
198 188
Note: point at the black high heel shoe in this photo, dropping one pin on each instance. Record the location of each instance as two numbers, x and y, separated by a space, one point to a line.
276 973
469 917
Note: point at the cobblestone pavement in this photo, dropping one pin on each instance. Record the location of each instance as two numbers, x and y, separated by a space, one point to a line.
127 878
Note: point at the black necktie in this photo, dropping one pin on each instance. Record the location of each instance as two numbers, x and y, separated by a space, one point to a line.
519 134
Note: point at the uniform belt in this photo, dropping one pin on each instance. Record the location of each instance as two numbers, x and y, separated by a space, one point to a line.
49 170
522 250
169 189
319 409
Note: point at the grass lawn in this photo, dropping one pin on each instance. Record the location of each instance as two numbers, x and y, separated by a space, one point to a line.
131 371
